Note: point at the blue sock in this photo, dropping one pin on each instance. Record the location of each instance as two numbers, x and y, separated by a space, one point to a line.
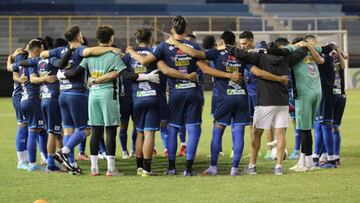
182 134
337 141
133 137
21 137
31 145
172 142
43 139
82 147
71 154
50 160
76 138
164 136
194 132
237 131
216 144
328 140
123 139
297 140
318 138
102 145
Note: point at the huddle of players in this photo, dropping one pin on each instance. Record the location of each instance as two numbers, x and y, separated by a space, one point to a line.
181 61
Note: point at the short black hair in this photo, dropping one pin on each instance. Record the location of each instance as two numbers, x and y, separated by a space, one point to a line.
50 41
246 35
296 40
281 41
143 35
179 24
191 35
60 42
44 43
71 33
271 45
309 37
35 44
228 37
208 42
104 33
85 41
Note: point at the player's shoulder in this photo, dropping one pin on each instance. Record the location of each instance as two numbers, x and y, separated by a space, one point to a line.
189 43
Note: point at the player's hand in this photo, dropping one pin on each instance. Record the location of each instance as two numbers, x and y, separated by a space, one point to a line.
17 52
116 50
302 44
23 79
129 48
90 82
193 77
284 79
60 75
151 77
50 78
171 40
236 77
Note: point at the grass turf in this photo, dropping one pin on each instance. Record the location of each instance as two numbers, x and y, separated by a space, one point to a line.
333 185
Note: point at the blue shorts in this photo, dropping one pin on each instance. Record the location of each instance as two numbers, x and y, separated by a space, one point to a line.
19 116
339 107
185 107
147 114
31 109
252 104
325 112
74 110
213 104
164 109
126 108
52 115
232 110
292 107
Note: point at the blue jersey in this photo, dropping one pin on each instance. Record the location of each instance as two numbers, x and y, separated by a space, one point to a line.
227 63
28 90
142 90
76 84
339 80
327 74
17 86
250 80
177 59
44 66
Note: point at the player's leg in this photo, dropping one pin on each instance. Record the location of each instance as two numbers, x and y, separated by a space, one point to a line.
163 124
96 136
270 139
21 136
296 152
339 107
82 154
110 149
318 142
139 121
281 122
182 135
43 140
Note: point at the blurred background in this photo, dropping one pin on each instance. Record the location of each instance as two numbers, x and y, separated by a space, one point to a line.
331 20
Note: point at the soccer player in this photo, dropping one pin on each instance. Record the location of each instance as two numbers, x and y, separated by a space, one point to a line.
73 95
308 86
184 94
30 103
325 115
45 76
272 100
22 132
146 104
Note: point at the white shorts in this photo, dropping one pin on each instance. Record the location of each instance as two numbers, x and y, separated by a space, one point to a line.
267 117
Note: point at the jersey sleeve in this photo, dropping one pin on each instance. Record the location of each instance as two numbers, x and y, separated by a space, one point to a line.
32 62
158 52
56 52
80 50
15 67
211 54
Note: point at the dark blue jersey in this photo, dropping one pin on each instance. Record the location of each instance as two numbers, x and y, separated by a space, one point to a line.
28 90
327 74
143 89
76 84
250 80
339 80
17 86
227 63
177 59
44 66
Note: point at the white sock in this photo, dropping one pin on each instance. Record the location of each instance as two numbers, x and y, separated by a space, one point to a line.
65 150
252 165
20 157
316 156
25 154
74 164
278 166
331 157
301 161
309 161
94 163
111 163
183 144
43 158
337 157
213 167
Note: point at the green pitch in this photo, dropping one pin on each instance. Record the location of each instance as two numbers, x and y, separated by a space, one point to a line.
333 185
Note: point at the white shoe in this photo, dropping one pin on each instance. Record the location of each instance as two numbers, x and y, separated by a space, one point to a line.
132 154
102 156
304 169
125 155
272 144
298 165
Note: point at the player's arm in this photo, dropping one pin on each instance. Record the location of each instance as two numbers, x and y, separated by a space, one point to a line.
98 50
318 59
47 78
171 72
206 69
142 59
297 56
250 58
45 54
341 58
187 49
9 64
268 76
62 63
